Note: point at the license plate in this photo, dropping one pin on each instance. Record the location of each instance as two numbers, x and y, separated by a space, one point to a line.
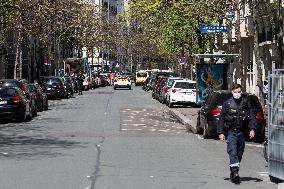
3 102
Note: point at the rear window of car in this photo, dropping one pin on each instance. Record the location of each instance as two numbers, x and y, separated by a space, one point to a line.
171 82
8 92
52 80
185 85
218 99
9 83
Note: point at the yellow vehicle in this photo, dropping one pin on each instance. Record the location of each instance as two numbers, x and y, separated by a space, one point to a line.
141 77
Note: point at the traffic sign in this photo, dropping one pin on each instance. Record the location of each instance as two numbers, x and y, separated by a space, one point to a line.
214 29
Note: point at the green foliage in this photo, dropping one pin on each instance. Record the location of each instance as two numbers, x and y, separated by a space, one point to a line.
9 10
174 25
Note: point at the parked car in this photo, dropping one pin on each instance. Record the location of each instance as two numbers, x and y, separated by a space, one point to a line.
96 81
167 88
14 104
183 92
24 87
104 81
259 117
160 83
209 114
54 87
40 96
155 76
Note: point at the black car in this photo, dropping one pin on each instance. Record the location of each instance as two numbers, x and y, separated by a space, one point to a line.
23 86
54 87
40 96
209 114
14 104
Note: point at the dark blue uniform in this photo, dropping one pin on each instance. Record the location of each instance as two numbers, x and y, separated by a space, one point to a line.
236 115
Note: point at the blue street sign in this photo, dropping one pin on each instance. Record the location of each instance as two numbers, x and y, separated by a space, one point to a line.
214 29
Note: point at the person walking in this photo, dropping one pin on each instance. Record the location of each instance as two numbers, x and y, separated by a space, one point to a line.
80 79
236 116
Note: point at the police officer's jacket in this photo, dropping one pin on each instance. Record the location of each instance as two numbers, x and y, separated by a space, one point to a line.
236 114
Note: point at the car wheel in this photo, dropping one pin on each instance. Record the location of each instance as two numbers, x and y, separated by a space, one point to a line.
30 116
170 104
198 126
260 138
34 112
206 133
114 88
40 107
129 88
22 117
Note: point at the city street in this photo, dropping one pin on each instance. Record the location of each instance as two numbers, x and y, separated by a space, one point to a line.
121 139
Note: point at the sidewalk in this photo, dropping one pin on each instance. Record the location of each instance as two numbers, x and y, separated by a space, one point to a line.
187 116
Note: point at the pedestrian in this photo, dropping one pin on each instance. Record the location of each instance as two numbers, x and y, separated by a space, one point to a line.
80 79
236 116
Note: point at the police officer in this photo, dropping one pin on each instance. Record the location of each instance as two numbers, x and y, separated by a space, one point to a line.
80 79
236 115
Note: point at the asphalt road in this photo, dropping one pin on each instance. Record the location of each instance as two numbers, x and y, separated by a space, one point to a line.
120 139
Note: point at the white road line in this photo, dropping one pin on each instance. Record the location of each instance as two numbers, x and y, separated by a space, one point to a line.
255 145
131 129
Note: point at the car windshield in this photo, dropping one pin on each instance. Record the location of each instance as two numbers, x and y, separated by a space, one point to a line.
185 85
141 74
122 77
8 92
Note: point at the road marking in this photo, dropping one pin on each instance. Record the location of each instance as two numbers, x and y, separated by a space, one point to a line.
131 129
255 145
134 124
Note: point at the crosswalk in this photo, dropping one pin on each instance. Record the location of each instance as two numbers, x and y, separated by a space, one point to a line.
149 120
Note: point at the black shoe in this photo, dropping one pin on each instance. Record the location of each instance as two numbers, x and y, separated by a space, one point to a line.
235 177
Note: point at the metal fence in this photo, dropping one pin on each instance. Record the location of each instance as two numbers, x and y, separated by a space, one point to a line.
276 124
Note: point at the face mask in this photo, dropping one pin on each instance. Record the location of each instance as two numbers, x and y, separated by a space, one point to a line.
237 95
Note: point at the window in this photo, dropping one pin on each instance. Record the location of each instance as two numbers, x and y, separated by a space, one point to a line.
185 85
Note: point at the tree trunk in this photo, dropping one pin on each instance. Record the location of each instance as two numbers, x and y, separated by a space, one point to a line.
242 68
2 63
257 53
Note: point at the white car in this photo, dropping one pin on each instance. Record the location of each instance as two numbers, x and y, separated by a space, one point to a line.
165 91
182 92
122 82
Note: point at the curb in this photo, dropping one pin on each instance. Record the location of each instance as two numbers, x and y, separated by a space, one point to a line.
183 119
